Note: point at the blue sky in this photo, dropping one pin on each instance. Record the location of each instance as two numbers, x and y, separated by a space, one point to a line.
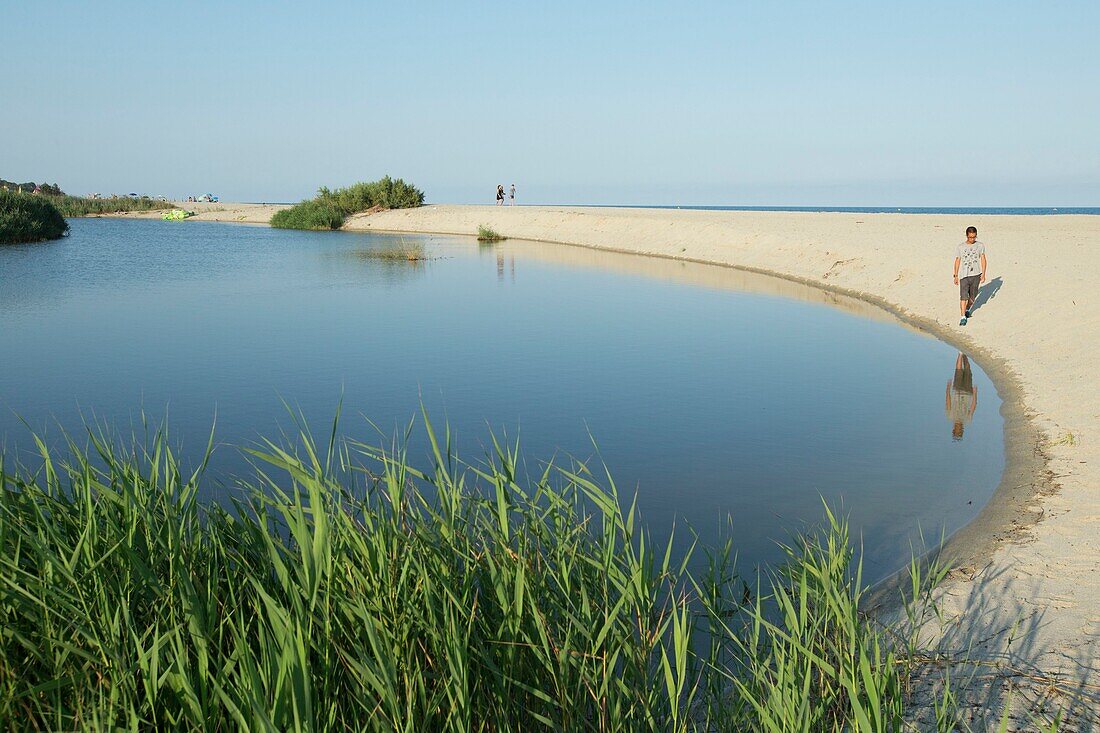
801 103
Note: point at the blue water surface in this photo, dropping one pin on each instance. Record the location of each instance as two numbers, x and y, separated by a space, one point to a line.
723 399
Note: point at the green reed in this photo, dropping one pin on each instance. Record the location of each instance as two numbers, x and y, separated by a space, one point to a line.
29 218
347 590
75 206
329 208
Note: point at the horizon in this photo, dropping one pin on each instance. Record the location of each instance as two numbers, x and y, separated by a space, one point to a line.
922 107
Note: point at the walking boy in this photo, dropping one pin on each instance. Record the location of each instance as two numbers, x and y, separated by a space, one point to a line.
970 269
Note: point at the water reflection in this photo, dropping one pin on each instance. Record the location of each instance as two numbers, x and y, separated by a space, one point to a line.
500 265
962 397
713 277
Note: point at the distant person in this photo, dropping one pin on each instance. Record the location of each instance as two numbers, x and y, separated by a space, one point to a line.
500 194
962 397
512 195
970 269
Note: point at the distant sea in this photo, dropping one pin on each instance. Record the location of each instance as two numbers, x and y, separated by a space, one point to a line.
992 210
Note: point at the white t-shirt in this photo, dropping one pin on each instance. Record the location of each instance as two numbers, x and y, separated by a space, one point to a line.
970 258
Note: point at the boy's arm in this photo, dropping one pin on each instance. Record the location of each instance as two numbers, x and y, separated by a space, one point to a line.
984 267
956 275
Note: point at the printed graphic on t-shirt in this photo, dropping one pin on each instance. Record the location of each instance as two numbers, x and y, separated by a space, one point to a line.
970 258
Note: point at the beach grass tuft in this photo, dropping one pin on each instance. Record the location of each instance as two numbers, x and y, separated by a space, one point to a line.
29 218
345 588
329 208
401 251
485 234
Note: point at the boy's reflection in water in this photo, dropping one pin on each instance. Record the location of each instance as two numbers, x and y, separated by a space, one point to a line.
962 397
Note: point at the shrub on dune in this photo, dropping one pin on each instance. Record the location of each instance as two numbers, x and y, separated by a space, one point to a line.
329 208
312 214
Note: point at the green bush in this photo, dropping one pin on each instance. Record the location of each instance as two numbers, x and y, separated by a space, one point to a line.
334 206
312 214
29 218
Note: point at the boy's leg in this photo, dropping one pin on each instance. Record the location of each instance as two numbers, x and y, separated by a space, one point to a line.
964 300
971 293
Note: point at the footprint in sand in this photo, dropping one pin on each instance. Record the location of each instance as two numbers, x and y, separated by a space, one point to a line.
833 270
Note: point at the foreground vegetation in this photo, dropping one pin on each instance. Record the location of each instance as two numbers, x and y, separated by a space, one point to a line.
348 590
29 218
329 208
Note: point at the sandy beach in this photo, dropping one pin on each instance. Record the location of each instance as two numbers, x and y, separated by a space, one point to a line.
1024 592
213 211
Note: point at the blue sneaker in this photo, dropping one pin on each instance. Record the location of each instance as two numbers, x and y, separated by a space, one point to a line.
962 321
968 311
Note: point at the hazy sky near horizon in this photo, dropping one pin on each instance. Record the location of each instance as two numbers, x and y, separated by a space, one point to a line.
797 103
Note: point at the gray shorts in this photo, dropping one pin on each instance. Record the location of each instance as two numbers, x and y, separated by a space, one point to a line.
968 287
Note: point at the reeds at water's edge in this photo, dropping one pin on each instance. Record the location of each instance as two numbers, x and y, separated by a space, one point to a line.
487 234
346 589
75 206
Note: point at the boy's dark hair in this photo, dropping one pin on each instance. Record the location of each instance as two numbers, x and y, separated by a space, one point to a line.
972 229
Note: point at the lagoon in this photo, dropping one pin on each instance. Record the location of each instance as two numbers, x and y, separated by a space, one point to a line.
731 403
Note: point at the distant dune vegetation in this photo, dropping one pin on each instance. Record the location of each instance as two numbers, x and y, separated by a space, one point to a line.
28 218
329 208
81 206
71 206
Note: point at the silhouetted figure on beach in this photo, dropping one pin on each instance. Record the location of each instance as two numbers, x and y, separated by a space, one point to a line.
512 195
962 397
500 194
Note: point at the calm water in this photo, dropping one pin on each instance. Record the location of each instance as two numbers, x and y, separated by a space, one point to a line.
710 392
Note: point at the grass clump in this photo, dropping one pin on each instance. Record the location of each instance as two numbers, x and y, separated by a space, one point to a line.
348 590
485 234
329 208
29 218
400 252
